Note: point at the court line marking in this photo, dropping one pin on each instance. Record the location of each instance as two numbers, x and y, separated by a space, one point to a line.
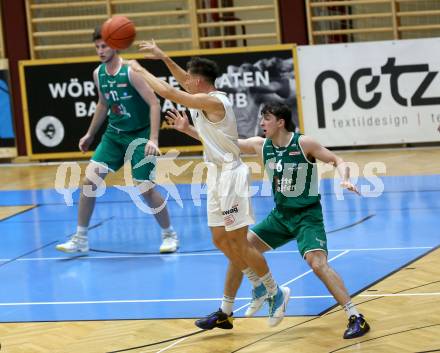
298 277
217 253
310 271
159 300
130 218
183 300
172 345
256 196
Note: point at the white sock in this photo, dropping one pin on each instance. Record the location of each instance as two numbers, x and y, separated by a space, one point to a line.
252 276
350 309
170 229
227 304
81 232
269 283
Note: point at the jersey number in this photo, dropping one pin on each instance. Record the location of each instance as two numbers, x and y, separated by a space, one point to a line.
279 166
114 95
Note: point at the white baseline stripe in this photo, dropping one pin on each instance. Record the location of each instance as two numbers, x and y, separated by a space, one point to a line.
210 299
128 301
216 253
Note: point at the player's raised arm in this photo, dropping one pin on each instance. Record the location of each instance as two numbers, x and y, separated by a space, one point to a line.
201 101
313 149
251 145
154 52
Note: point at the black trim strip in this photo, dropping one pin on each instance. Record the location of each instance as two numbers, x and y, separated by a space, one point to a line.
389 334
215 249
159 342
48 244
28 253
276 333
151 253
353 224
32 207
204 197
383 278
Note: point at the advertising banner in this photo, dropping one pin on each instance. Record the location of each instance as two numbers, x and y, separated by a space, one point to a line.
60 96
371 93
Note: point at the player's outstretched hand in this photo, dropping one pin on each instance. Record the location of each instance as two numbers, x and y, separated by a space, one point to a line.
151 148
346 184
178 120
85 142
134 65
152 51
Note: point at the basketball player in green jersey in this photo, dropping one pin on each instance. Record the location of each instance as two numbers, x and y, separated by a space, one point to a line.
133 113
289 159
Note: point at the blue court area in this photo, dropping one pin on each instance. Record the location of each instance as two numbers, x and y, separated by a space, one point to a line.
125 277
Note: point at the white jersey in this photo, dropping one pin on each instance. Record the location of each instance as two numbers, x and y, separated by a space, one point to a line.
219 138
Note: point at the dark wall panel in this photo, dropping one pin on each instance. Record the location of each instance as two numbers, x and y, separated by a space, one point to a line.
16 48
293 21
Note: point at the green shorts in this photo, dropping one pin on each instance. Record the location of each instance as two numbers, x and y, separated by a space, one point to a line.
305 225
113 148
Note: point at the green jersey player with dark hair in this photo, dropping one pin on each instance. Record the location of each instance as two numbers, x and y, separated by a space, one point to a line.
289 159
133 113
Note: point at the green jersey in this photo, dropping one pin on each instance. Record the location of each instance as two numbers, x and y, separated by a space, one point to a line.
127 109
294 178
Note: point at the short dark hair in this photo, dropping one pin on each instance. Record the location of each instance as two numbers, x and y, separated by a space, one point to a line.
280 111
96 34
203 67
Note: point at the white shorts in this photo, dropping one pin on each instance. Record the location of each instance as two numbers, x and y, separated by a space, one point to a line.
228 199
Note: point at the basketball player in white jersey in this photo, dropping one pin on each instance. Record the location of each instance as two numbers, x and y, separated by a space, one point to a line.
228 201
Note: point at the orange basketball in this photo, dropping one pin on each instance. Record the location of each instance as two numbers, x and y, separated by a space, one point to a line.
118 32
